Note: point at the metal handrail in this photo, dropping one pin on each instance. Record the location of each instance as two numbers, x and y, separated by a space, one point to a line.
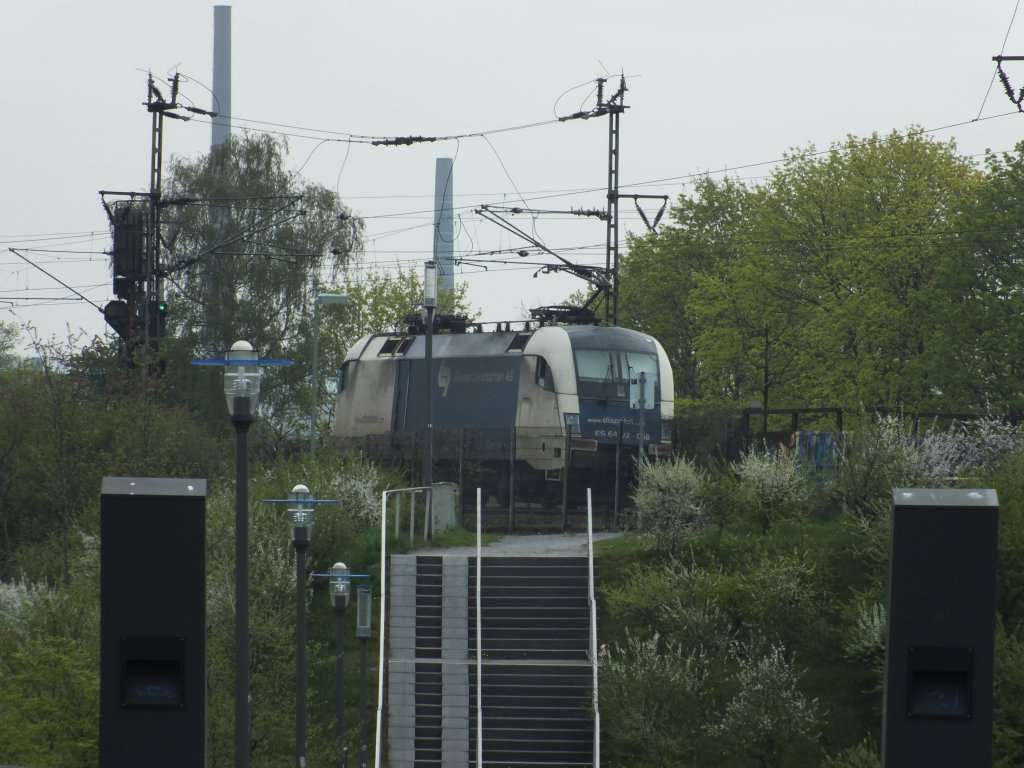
427 524
384 600
479 635
593 627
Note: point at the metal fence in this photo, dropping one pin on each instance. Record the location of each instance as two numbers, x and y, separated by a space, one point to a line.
522 473
525 486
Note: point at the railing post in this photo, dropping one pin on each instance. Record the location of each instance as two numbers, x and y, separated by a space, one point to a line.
618 475
592 599
398 516
428 514
462 480
512 480
412 517
565 478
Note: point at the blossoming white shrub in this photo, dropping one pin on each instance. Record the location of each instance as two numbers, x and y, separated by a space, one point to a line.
769 713
652 695
775 482
775 478
667 501
20 600
891 453
865 640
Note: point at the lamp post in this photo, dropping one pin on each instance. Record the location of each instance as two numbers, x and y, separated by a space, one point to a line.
323 298
364 628
429 304
301 525
242 389
341 590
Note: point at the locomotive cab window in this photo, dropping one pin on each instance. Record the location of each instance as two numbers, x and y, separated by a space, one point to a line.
606 374
544 377
519 342
395 345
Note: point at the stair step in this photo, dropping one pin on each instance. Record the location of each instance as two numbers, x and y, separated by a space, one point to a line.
537 680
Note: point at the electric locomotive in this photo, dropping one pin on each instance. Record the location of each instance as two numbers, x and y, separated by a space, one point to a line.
518 401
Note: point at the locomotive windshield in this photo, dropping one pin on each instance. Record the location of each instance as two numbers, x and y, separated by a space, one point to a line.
605 374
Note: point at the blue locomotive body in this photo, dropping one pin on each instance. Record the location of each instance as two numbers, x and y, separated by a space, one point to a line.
538 396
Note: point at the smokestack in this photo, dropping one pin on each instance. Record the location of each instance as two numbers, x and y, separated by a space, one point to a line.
444 225
221 75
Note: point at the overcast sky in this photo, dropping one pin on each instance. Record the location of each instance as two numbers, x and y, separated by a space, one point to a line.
713 86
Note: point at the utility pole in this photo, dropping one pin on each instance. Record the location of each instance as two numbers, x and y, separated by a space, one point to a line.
138 315
154 307
614 108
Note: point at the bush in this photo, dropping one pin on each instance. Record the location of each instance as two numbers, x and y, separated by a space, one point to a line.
777 597
725 500
692 610
1008 688
866 637
667 501
776 484
769 715
49 681
652 698
639 600
893 453
862 755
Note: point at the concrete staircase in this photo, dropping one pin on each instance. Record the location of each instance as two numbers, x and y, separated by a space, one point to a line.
536 676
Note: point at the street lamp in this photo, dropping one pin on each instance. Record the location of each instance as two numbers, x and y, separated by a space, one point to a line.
429 304
242 390
364 628
323 298
301 524
341 591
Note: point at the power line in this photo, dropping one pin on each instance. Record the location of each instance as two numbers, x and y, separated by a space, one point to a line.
54 278
531 196
535 196
324 134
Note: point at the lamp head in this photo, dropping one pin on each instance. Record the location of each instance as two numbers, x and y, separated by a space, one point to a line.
301 512
330 298
242 379
364 613
430 285
341 585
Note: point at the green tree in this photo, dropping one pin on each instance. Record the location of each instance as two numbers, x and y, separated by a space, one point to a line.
857 233
659 274
67 426
808 289
976 306
73 416
18 474
9 335
253 245
748 340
